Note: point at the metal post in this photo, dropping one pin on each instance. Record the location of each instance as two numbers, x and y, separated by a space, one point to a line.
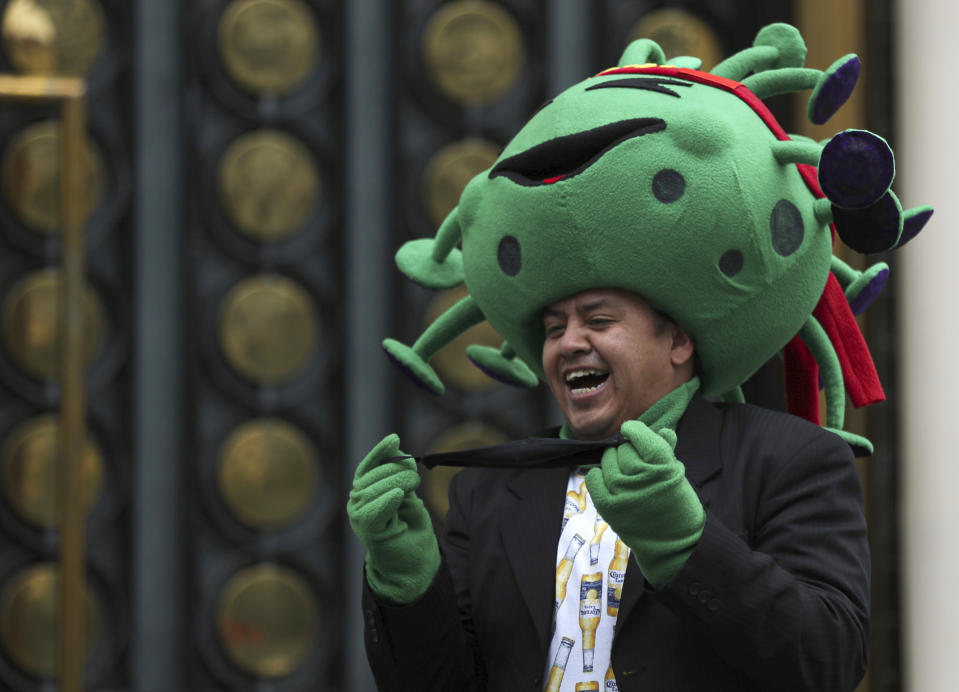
157 627
569 49
369 268
72 354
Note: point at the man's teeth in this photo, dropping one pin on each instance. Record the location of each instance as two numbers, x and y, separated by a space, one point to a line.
573 376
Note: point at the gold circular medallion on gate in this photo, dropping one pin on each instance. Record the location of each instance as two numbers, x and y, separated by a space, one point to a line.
31 176
450 169
268 328
30 471
268 184
679 32
30 324
451 361
53 37
268 46
473 50
266 619
268 473
29 618
436 481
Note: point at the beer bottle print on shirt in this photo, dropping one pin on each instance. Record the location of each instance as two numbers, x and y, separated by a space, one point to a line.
563 570
599 528
617 573
590 612
575 502
559 665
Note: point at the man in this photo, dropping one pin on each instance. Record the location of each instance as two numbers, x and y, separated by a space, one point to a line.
756 537
648 239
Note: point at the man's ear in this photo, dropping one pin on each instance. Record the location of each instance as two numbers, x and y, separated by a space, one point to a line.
682 348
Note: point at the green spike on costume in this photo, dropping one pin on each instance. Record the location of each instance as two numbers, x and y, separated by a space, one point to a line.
502 364
817 341
434 262
822 209
642 52
807 152
865 278
442 331
844 273
776 46
793 79
853 281
785 81
687 62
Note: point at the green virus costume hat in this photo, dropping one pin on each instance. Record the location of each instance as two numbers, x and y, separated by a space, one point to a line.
679 185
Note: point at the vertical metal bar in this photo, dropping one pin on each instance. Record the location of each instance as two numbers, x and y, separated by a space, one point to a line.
72 644
368 110
569 45
157 616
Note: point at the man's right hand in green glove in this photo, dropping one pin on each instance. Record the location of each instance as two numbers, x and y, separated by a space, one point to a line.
402 555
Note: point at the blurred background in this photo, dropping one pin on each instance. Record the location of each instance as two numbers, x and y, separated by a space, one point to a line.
251 166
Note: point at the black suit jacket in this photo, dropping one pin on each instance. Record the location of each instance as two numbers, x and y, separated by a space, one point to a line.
773 597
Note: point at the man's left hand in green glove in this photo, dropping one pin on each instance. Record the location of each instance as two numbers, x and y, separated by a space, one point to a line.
641 490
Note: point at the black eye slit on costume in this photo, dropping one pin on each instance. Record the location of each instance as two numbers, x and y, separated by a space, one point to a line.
563 157
647 83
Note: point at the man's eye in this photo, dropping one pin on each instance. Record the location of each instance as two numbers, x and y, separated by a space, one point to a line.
554 330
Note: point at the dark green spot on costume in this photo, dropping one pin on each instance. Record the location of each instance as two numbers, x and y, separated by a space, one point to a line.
668 186
509 256
785 226
731 263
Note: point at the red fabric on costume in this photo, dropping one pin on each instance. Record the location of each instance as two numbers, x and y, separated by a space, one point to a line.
858 370
802 381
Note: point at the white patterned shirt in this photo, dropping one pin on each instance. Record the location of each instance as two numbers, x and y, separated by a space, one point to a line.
590 566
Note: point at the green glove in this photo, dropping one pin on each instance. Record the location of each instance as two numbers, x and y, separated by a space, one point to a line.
641 490
402 555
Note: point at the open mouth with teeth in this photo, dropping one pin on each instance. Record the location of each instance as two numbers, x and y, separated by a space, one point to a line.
585 381
564 157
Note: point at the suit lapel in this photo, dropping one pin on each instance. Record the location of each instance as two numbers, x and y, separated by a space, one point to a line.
697 446
530 528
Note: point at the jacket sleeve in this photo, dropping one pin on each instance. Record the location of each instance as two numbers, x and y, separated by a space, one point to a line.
786 604
428 645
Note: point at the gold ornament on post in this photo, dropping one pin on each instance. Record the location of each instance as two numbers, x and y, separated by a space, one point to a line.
268 473
29 461
30 327
473 50
53 37
28 619
31 169
268 328
268 46
268 184
266 619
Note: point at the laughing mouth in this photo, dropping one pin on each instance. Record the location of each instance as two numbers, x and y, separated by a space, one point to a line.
564 157
585 381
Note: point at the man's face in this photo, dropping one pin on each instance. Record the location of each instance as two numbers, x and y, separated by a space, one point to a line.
608 357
